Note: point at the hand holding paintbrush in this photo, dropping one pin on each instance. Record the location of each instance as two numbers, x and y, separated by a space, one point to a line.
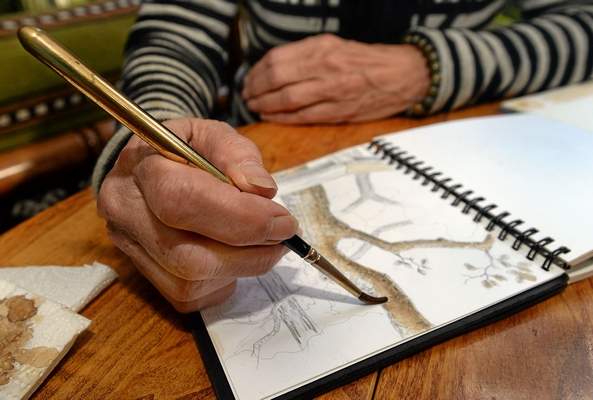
188 233
189 230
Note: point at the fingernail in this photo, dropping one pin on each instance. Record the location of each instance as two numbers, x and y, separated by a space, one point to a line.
256 175
283 227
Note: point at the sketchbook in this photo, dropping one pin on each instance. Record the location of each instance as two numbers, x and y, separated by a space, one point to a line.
459 224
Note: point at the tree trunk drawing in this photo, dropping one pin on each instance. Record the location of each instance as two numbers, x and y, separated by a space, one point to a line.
311 207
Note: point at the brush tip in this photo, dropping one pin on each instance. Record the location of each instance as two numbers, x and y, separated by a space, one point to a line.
372 299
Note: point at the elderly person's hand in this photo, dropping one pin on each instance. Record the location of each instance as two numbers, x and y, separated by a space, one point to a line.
326 79
190 234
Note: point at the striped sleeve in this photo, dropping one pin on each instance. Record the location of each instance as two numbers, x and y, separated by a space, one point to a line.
549 47
175 54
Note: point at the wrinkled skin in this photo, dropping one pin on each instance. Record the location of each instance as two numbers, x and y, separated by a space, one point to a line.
190 234
326 79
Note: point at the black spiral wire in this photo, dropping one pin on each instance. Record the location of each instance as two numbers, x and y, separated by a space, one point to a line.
411 165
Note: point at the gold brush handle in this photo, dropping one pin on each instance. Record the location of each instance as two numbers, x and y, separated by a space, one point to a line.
69 67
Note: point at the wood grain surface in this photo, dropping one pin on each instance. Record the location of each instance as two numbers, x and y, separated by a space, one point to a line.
137 346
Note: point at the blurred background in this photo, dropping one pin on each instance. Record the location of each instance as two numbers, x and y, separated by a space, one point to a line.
50 136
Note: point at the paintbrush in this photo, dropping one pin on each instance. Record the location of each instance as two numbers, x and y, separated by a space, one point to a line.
54 55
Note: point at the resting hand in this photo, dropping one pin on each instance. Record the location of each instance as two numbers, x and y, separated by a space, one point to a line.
191 235
326 79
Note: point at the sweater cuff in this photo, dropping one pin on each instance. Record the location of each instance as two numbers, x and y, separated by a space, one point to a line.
110 153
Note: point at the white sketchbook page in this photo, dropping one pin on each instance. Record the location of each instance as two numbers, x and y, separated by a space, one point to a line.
293 326
541 171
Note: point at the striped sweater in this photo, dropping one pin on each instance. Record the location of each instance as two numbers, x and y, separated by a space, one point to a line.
177 51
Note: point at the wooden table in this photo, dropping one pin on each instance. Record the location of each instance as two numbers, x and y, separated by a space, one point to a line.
137 346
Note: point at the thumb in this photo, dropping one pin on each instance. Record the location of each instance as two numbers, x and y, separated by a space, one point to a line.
232 153
251 176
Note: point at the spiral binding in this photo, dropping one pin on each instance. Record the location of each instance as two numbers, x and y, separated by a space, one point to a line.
410 164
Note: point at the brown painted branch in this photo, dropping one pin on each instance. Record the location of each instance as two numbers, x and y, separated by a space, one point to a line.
341 230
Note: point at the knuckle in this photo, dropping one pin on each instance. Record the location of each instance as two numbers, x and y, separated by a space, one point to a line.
263 261
107 203
290 98
347 113
172 192
259 228
218 126
210 127
225 126
122 241
114 234
224 293
235 140
184 291
237 223
197 125
178 123
233 239
183 127
273 56
130 150
126 156
240 150
262 227
248 224
328 39
200 302
307 117
237 238
177 257
191 262
134 151
205 133
274 76
271 259
208 136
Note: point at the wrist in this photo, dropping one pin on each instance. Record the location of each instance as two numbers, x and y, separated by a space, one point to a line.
431 62
422 75
405 73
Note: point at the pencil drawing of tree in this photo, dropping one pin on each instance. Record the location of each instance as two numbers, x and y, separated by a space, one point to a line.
312 208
